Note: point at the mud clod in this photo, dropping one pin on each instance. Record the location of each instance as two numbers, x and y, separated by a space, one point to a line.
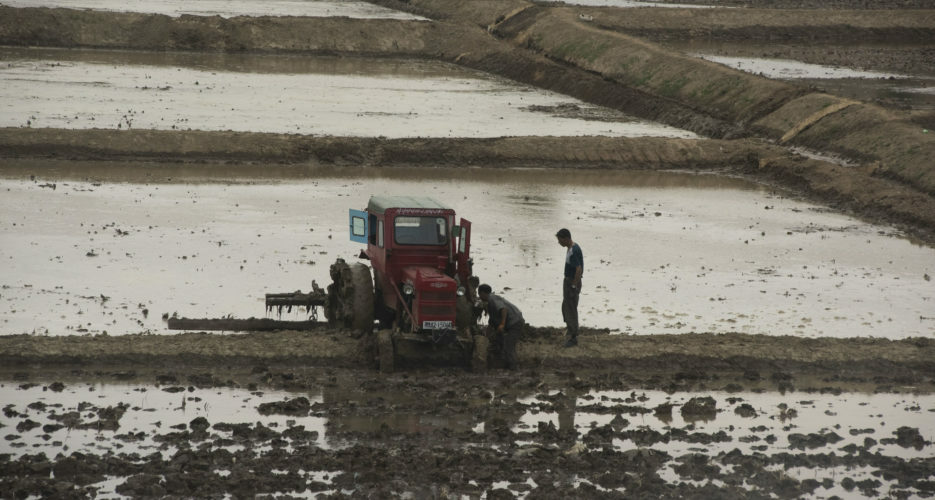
700 408
296 407
745 410
909 437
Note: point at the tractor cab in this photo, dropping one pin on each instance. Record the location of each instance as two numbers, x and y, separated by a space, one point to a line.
419 254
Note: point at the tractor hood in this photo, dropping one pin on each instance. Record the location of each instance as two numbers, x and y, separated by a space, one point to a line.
429 279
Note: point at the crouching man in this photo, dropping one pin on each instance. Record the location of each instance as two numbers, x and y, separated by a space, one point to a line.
506 321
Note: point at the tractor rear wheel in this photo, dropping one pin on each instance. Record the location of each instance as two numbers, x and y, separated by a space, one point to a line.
479 354
350 297
385 352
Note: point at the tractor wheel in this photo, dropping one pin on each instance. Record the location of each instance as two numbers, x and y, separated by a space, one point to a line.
479 354
350 297
385 351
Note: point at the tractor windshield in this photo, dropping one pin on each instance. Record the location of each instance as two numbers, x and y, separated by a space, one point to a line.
420 231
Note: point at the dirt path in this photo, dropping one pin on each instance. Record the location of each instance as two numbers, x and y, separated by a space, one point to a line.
636 356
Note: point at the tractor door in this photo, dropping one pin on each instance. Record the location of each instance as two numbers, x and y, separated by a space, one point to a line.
464 251
358 226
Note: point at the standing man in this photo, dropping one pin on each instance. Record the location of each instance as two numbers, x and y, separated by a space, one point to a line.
571 287
506 320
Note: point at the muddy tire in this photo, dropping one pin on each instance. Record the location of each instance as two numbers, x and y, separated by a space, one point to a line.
350 297
363 299
386 355
479 354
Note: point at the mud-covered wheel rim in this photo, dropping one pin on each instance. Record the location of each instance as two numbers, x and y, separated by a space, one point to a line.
479 354
385 353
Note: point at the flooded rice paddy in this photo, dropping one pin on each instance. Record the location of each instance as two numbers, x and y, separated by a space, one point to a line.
226 8
90 251
81 89
634 3
901 90
786 69
137 426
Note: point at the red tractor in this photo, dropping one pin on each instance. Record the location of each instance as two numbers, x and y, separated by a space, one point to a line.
422 290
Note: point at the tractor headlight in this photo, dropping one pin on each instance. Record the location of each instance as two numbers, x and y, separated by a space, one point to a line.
461 291
408 289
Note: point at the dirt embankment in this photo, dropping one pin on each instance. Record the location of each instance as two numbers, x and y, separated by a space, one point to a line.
900 147
770 25
811 4
779 111
95 29
909 360
194 146
549 48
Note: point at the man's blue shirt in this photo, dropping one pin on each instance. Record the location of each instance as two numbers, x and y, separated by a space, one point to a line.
573 259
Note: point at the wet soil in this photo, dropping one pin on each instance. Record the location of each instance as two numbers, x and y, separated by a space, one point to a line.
140 417
432 432
885 361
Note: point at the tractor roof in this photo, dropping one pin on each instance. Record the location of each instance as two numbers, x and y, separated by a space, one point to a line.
379 204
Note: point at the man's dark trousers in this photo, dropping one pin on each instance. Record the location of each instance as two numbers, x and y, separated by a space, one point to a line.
508 340
570 296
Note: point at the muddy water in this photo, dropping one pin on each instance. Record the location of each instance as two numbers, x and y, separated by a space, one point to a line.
785 69
288 94
74 420
136 420
148 409
664 252
753 423
633 3
226 8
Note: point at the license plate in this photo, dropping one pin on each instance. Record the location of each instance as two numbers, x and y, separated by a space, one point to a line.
436 325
